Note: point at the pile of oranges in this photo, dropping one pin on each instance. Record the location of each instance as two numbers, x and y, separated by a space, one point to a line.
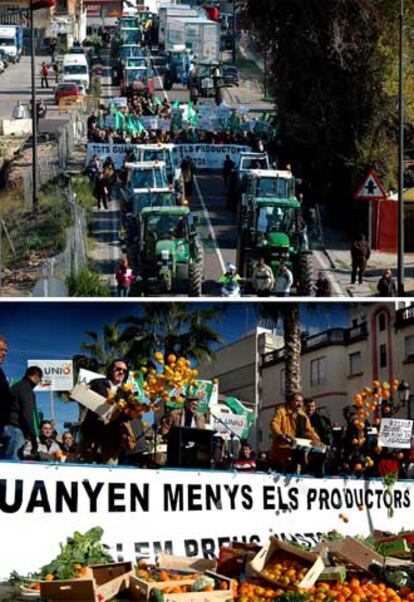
285 570
354 590
164 380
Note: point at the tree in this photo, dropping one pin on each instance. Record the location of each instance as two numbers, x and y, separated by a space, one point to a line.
177 328
271 314
103 348
335 70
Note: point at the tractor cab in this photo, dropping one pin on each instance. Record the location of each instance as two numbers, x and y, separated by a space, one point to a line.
179 65
137 80
206 79
128 51
271 226
170 253
130 35
165 154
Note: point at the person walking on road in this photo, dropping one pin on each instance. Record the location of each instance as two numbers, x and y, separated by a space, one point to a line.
386 285
19 112
360 253
262 279
323 286
101 191
44 74
124 277
283 281
109 176
228 166
187 168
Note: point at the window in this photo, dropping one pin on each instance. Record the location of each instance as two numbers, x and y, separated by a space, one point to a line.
381 322
409 347
383 356
318 371
355 363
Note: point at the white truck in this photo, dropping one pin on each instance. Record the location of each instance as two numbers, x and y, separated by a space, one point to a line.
11 41
168 12
199 34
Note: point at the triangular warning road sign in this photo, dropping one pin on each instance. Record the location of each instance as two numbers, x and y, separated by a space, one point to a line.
371 189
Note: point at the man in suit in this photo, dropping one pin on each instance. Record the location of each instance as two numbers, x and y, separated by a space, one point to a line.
99 442
192 452
188 416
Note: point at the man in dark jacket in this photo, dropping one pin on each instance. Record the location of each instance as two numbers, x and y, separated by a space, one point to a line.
21 423
99 442
360 253
5 394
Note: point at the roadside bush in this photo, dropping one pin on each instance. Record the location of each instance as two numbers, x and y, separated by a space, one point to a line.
87 284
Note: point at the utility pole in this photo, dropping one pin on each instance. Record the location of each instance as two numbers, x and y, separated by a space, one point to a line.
233 59
34 110
401 246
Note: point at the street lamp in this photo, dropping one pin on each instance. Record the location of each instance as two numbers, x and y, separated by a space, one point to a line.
401 156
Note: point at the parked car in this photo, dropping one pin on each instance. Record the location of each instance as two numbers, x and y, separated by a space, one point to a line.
5 58
66 89
230 75
2 67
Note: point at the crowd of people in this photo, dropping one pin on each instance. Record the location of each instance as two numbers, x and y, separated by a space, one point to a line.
330 449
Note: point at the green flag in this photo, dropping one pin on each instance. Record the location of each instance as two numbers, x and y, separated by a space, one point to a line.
119 120
139 128
192 116
129 124
157 101
176 104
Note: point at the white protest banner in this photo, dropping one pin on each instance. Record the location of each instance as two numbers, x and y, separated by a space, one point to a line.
119 101
209 156
226 423
182 512
57 374
395 433
85 376
110 121
164 124
150 122
205 156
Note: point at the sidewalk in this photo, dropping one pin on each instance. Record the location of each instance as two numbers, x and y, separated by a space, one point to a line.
338 251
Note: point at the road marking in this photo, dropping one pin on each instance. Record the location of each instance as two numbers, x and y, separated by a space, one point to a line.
326 267
210 226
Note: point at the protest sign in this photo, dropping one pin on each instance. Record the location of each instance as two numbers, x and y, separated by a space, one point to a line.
395 433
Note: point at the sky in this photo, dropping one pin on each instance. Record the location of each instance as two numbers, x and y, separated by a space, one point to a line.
55 330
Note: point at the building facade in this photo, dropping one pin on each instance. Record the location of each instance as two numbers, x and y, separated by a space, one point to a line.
339 362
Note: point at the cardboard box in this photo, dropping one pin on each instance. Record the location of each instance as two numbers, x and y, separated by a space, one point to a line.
104 583
140 589
351 552
236 559
273 546
94 402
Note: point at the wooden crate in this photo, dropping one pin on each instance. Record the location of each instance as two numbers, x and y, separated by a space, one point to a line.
352 553
104 582
261 560
140 589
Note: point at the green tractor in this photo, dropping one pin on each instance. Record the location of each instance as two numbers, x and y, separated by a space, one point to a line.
206 81
170 253
271 226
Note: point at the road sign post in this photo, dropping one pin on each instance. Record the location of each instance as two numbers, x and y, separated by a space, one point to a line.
371 190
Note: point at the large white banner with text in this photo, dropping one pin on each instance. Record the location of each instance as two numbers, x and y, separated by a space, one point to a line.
205 156
185 512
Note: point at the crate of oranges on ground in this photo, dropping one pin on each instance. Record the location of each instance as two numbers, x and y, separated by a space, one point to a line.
287 566
177 586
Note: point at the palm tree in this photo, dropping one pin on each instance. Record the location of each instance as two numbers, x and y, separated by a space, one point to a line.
177 328
271 314
104 348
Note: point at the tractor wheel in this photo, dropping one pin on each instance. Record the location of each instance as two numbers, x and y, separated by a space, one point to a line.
193 94
219 96
167 84
304 274
196 279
